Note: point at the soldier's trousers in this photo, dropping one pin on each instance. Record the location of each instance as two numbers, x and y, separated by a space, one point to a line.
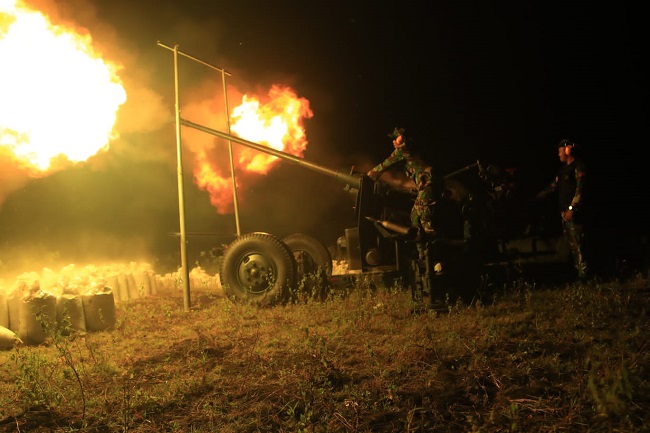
421 216
574 235
421 211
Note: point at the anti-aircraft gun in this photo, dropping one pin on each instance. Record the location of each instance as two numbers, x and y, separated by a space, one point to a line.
263 268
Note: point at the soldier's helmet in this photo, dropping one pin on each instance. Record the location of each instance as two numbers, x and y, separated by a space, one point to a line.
565 142
397 132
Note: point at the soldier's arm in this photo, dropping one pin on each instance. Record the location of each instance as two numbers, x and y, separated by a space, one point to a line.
394 158
580 183
551 187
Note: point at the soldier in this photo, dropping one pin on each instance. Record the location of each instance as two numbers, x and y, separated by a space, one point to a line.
418 171
570 185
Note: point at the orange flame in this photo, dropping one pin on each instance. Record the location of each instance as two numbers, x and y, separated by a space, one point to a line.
59 98
277 122
217 186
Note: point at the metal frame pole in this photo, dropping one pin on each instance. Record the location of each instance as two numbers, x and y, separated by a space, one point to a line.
185 272
224 74
181 200
232 164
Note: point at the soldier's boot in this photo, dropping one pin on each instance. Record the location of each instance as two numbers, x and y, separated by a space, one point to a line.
417 289
581 266
582 271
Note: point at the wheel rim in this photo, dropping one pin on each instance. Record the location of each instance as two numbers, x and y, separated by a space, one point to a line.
309 254
306 264
255 272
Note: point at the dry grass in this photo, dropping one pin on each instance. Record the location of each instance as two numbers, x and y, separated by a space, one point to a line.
529 359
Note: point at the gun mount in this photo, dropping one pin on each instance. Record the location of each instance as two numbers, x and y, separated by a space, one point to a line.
263 268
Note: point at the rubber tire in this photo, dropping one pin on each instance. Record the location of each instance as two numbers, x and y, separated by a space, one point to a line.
310 254
258 268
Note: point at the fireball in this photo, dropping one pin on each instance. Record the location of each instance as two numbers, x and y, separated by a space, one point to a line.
275 120
59 97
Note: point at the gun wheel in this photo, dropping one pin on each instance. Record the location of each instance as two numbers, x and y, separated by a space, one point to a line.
310 254
314 264
258 268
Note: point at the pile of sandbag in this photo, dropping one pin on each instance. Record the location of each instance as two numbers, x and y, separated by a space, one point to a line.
8 338
37 306
199 279
130 282
81 298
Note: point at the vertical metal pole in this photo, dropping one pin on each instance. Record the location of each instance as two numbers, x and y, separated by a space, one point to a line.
232 164
185 272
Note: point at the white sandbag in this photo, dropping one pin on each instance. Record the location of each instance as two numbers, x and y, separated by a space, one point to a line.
8 338
199 279
26 285
36 317
142 283
99 310
153 281
13 306
113 283
4 310
123 286
134 293
70 313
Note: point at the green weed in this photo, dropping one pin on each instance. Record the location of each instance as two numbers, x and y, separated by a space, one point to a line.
525 358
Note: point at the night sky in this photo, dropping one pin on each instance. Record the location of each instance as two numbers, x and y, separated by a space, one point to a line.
501 83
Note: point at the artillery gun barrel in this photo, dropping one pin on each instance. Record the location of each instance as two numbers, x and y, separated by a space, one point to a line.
461 170
408 231
351 180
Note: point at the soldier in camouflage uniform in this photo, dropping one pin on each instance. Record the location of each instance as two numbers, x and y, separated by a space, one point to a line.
570 185
421 174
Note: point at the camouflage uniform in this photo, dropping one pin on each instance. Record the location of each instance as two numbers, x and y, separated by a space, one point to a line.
421 214
420 173
569 184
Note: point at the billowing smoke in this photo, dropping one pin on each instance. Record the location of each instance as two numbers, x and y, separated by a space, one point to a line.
123 201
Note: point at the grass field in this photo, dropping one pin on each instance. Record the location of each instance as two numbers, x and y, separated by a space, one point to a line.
529 358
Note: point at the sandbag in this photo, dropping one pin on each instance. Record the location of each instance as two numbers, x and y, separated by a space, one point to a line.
4 310
13 306
36 317
8 338
142 282
99 310
153 281
113 283
123 285
134 292
70 314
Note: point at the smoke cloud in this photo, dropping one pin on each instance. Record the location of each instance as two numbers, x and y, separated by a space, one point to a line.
122 204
